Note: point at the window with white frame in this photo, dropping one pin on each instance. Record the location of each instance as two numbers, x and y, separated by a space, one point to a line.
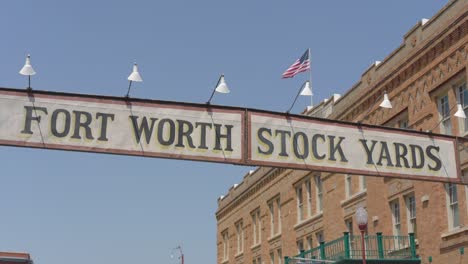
444 110
349 226
348 186
309 197
225 237
275 216
309 243
278 211
300 204
271 207
319 237
300 245
452 205
240 236
462 94
395 207
279 252
411 213
362 183
272 257
319 194
256 227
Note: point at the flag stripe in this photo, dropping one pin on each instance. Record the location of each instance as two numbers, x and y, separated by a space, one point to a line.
300 65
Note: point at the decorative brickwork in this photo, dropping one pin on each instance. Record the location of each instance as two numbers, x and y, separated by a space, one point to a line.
431 62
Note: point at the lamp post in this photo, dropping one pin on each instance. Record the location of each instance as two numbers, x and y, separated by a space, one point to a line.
361 220
181 254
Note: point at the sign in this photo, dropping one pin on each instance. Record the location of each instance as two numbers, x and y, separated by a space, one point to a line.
326 146
221 134
117 126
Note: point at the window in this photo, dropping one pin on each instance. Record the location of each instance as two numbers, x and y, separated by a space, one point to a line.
275 217
395 206
362 183
463 100
465 172
444 109
256 227
309 243
300 245
349 229
278 206
403 123
300 215
279 252
225 245
411 213
272 219
309 198
452 199
272 257
349 226
348 186
399 121
240 237
319 189
319 237
257 260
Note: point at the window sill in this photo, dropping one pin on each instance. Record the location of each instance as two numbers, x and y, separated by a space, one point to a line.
225 261
454 232
239 255
275 237
254 247
309 220
355 197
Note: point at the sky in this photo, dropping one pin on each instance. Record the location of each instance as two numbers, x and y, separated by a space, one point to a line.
94 208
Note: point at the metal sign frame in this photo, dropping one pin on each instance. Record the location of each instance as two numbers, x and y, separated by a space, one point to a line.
246 134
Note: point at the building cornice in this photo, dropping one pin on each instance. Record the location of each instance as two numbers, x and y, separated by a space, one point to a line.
400 64
251 184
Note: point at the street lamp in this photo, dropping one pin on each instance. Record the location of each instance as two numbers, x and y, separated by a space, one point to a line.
386 102
133 77
221 87
181 254
28 70
361 220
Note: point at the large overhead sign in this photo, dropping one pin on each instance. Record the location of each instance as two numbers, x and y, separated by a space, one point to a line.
221 134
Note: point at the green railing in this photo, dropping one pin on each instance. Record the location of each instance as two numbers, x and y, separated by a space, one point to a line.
376 247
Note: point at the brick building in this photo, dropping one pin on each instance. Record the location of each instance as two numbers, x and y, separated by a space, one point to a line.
15 258
274 212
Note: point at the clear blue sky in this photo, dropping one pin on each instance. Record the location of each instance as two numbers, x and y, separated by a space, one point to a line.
66 207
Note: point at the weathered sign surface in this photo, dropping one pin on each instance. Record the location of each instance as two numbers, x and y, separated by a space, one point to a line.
221 134
328 146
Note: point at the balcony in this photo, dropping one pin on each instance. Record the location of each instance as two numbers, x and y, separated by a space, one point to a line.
379 249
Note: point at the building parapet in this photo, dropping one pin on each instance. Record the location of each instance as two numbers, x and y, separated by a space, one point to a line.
414 40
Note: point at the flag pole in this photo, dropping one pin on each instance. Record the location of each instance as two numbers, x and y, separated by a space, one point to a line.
310 81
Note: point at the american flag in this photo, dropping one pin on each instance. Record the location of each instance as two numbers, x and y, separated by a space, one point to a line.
300 65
